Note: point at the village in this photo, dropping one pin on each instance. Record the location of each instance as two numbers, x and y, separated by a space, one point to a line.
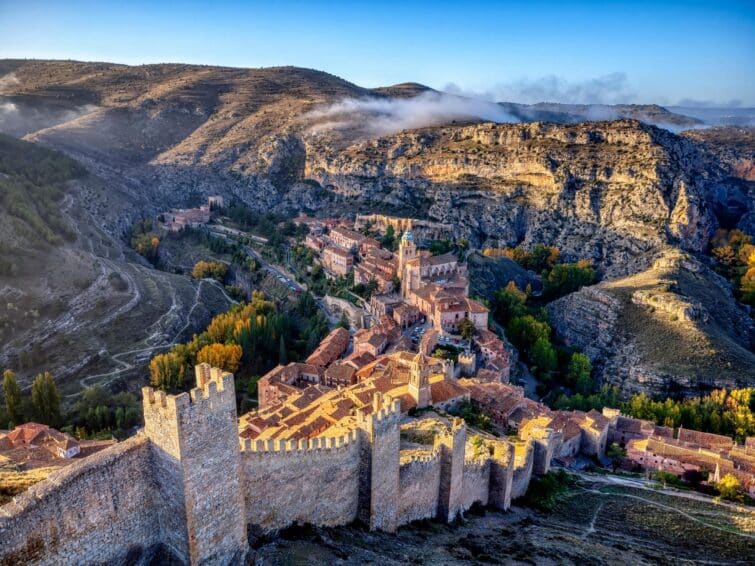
421 341
405 411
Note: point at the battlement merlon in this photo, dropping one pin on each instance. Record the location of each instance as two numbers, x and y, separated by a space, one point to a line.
206 374
386 413
155 400
302 445
216 386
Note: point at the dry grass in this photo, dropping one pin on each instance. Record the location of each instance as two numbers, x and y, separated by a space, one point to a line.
13 482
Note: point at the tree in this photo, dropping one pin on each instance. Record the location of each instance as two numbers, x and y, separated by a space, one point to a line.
509 303
224 356
12 398
214 269
543 355
282 356
167 371
730 488
389 238
566 278
542 257
466 328
344 321
616 454
45 399
524 331
579 373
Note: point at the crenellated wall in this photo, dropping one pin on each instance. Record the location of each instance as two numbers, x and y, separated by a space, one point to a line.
101 509
476 479
419 485
312 481
189 486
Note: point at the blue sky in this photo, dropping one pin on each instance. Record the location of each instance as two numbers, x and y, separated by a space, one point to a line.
661 52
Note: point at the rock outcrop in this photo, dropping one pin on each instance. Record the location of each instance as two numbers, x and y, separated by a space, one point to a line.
610 191
673 328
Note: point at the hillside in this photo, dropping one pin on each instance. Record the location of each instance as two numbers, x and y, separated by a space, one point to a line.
73 300
672 328
159 136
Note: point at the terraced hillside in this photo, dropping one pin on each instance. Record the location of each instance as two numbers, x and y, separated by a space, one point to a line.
74 300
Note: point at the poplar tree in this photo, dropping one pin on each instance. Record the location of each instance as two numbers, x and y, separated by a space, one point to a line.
282 355
12 398
45 399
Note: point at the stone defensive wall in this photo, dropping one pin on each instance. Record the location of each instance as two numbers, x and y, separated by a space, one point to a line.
422 229
189 487
419 486
102 509
312 481
476 482
523 464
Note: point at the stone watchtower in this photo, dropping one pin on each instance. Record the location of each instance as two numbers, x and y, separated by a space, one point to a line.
197 467
407 250
380 464
451 445
419 382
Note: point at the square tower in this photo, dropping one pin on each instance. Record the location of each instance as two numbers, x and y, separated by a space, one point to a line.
197 460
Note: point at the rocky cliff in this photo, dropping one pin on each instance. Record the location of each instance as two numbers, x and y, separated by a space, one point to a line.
608 191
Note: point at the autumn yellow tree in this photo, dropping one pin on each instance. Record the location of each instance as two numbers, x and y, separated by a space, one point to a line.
214 269
224 356
167 371
730 488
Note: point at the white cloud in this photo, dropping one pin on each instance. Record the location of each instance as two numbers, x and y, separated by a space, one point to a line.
389 115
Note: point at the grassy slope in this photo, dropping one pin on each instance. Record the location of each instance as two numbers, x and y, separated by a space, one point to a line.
32 184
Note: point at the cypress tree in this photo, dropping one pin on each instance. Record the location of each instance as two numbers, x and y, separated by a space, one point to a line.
12 397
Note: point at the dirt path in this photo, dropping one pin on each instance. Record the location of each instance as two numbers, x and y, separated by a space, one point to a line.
107 377
639 484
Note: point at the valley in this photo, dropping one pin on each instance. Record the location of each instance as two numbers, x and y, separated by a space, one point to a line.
622 193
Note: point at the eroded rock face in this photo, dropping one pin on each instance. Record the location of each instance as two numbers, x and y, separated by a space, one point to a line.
673 328
611 192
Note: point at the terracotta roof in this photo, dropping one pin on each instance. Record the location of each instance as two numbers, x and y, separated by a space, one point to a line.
336 251
358 361
340 371
476 307
442 259
331 348
444 390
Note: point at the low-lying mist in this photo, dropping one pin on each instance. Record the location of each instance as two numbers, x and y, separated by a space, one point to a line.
381 116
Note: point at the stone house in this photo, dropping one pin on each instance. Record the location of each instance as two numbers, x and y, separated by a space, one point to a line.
337 261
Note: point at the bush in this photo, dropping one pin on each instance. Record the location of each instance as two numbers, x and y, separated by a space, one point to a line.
730 488
543 492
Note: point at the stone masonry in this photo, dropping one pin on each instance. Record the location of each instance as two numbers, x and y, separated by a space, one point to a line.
188 488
